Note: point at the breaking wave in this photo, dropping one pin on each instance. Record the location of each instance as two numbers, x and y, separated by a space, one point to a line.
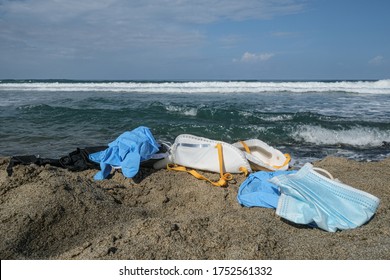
367 87
358 136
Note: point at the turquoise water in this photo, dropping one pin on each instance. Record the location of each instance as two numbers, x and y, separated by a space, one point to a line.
308 119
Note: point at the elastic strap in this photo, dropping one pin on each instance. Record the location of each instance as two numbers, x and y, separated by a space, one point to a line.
224 177
323 172
245 147
244 170
288 158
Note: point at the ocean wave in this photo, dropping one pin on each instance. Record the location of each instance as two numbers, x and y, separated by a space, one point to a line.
357 136
227 87
186 111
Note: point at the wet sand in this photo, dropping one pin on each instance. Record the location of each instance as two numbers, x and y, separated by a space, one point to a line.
52 213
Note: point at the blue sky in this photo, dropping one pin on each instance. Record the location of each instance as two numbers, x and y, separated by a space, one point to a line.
195 39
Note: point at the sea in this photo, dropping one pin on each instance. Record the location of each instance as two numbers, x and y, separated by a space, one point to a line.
307 119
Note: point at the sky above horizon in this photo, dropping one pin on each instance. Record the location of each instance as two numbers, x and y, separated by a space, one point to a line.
195 39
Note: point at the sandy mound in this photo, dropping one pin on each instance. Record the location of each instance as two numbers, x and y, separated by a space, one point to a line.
51 213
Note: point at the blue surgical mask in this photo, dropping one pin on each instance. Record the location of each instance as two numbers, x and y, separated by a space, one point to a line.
308 197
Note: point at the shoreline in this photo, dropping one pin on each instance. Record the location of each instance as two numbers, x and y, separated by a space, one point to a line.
51 213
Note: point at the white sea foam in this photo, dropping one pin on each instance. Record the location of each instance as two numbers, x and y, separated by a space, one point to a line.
269 118
357 136
368 87
278 118
182 110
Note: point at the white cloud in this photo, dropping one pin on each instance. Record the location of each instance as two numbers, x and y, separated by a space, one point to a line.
200 11
39 30
107 25
206 11
376 60
115 22
248 57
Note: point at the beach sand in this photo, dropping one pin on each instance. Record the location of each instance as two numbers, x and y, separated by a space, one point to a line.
51 213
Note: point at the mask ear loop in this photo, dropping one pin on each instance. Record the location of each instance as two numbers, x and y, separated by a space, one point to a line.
323 172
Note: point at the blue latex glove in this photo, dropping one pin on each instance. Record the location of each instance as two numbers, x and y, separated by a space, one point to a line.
256 190
127 152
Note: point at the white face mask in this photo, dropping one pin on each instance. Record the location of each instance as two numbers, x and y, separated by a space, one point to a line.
308 197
